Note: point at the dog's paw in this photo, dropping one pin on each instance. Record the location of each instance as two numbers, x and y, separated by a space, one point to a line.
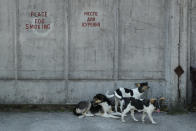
135 120
123 121
154 122
143 120
81 117
116 113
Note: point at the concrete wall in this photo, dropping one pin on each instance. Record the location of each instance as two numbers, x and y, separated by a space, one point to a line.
193 33
137 40
192 51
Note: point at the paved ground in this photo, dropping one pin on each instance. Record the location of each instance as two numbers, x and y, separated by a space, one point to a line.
65 121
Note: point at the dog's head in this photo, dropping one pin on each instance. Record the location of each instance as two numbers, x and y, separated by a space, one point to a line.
99 98
142 87
157 103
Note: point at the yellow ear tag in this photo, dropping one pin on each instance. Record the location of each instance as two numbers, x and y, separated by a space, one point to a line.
98 101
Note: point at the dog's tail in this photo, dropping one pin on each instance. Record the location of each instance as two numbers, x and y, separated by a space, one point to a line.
109 96
112 95
119 97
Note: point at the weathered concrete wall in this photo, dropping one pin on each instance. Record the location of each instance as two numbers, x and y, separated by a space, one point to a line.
41 54
92 49
193 33
135 41
143 27
7 37
192 49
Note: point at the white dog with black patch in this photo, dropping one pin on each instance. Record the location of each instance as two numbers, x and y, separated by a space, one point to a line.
145 106
124 92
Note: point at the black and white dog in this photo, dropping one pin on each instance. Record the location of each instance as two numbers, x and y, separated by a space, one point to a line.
145 106
124 92
100 106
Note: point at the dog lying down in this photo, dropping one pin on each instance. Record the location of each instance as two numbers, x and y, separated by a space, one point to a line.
141 105
100 106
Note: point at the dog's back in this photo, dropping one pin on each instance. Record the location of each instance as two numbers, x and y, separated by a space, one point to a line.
82 107
137 103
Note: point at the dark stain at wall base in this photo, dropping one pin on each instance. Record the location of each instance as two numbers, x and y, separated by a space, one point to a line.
35 108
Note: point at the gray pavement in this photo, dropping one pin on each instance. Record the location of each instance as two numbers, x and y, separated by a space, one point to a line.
66 121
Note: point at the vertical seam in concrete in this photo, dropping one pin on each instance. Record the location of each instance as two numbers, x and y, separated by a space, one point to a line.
167 46
178 97
64 41
179 45
64 50
183 40
168 78
191 32
189 13
116 44
14 38
16 41
173 41
185 47
180 23
68 34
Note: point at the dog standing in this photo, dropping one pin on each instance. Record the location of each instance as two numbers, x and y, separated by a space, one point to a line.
145 106
124 92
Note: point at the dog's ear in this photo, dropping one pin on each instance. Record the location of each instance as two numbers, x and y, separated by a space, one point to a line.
138 84
162 99
144 88
152 101
145 83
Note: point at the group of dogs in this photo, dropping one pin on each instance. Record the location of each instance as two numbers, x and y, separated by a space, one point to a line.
129 99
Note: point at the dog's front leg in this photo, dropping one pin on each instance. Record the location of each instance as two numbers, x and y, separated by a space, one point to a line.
107 115
143 116
150 117
132 114
112 116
